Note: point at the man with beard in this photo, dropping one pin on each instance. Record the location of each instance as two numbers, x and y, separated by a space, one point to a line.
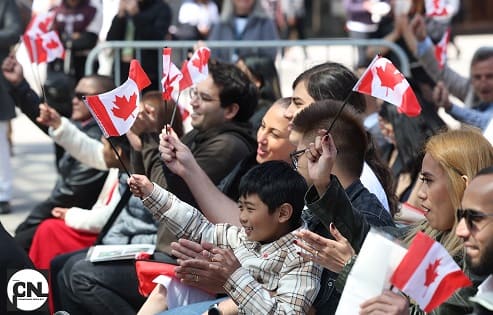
475 227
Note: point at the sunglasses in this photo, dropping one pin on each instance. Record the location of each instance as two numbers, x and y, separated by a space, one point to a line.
472 217
79 95
295 156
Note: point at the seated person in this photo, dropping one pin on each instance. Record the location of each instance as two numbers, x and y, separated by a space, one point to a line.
451 159
75 227
77 184
265 273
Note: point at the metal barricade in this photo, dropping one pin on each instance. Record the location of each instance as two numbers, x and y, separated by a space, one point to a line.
183 46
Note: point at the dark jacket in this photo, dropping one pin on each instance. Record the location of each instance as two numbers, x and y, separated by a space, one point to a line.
76 185
259 26
12 259
230 184
10 32
151 24
334 206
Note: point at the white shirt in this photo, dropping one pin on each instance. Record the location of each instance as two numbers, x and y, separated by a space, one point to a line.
371 182
484 296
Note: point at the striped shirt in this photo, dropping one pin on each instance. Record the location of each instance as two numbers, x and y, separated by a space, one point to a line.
272 279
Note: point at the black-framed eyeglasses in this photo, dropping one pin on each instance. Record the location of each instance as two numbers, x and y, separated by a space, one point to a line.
295 155
194 93
471 216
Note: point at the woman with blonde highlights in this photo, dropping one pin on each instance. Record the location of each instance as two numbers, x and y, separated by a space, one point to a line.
452 158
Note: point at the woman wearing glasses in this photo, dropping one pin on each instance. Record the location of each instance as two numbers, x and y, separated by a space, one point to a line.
334 81
451 159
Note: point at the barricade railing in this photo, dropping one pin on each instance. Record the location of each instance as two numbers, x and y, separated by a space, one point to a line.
184 46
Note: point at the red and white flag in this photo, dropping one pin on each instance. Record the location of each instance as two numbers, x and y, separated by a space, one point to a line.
441 49
171 77
195 69
171 82
44 48
40 24
436 8
382 80
116 110
428 274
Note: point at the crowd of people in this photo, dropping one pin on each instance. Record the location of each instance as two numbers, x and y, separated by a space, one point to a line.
264 203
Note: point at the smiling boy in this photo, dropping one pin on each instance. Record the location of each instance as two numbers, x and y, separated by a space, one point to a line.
265 274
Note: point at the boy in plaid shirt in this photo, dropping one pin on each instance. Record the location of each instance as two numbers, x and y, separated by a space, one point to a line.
265 275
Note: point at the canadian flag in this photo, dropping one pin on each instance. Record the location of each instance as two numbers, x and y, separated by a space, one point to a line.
436 8
116 110
195 69
40 24
441 49
171 82
382 80
428 274
44 47
171 76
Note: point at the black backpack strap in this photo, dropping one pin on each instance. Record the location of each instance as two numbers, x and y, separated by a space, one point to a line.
118 209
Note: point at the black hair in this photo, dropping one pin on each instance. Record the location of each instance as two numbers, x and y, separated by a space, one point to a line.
332 80
123 143
485 171
105 83
349 135
264 70
482 54
275 183
234 87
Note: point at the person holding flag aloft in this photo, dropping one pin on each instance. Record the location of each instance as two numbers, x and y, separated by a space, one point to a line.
77 184
10 30
476 92
451 160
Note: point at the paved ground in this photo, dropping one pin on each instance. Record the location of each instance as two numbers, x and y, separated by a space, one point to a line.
33 151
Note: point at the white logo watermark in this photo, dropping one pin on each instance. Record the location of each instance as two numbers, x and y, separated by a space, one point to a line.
27 290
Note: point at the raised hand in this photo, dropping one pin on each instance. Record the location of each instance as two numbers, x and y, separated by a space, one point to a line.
177 156
441 96
12 70
418 26
48 116
140 185
321 158
331 254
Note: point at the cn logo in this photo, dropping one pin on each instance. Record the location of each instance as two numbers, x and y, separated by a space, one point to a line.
27 290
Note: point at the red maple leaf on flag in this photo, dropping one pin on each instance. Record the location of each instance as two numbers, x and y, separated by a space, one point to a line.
168 88
124 108
44 25
388 76
52 44
203 55
431 272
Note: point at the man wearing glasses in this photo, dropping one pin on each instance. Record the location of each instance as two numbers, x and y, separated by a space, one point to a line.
221 135
475 227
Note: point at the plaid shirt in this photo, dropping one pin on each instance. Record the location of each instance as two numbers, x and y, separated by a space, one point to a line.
272 279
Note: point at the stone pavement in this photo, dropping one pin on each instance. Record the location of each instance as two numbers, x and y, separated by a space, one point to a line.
33 158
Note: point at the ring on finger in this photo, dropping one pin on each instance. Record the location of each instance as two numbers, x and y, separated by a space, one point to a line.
315 254
195 277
